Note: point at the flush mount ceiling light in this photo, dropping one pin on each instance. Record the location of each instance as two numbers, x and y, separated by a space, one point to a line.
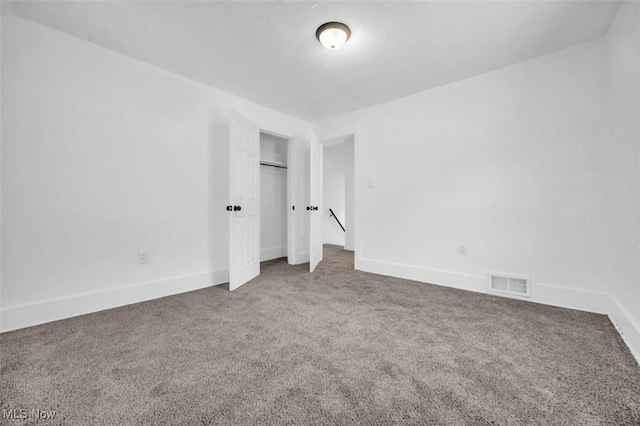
333 35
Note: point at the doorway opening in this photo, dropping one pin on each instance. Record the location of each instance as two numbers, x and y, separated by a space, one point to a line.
276 219
338 193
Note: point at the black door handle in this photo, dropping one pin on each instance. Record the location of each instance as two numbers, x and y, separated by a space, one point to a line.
237 208
229 208
308 208
315 208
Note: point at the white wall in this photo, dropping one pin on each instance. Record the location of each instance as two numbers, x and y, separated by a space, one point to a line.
623 170
349 194
508 162
103 156
273 198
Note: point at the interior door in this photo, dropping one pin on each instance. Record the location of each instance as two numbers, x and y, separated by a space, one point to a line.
244 206
315 203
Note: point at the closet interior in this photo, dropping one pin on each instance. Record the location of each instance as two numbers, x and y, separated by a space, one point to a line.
273 196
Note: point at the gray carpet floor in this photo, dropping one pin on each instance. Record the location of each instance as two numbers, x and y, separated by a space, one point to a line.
335 347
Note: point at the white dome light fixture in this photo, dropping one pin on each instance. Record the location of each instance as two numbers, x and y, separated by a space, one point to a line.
333 35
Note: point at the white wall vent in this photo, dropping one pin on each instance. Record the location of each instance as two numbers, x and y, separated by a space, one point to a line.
514 285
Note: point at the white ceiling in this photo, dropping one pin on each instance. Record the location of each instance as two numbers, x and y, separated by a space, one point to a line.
267 52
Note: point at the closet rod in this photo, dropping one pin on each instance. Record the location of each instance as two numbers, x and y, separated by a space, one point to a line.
277 165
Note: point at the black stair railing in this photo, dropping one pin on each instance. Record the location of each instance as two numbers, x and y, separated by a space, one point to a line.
337 220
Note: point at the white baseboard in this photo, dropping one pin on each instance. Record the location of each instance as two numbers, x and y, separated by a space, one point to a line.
572 298
21 316
628 328
272 253
469 282
303 257
220 276
565 297
300 258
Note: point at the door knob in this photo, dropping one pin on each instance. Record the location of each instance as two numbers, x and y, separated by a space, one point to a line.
309 208
229 208
315 208
237 208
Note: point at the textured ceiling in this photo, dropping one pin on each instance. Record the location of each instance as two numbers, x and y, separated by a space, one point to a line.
267 52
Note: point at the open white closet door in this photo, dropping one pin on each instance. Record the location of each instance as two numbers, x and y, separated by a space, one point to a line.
244 197
315 203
